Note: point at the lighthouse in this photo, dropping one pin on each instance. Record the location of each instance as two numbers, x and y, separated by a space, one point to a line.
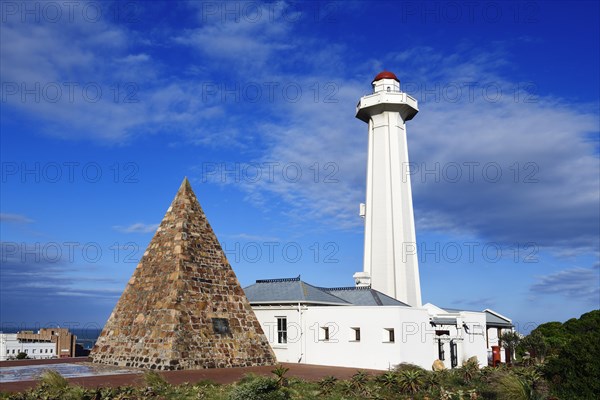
390 255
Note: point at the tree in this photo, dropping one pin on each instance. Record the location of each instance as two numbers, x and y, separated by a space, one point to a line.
573 372
536 345
510 340
22 356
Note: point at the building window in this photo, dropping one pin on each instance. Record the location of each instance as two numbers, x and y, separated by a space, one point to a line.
453 354
355 334
441 352
325 333
7 351
389 335
33 351
51 350
221 326
281 330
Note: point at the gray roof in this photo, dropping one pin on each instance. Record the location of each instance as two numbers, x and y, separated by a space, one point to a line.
491 319
290 290
294 290
443 321
494 320
359 296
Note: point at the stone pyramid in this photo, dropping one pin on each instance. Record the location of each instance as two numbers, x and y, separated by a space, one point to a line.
183 308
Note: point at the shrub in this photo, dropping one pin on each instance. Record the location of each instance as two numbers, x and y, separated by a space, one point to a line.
359 381
259 388
411 380
155 383
407 366
280 372
388 379
327 384
53 381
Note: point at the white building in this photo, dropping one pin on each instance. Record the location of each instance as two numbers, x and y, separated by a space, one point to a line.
11 346
362 328
381 322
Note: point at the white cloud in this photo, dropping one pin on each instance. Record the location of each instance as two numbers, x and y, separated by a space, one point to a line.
579 283
15 218
138 227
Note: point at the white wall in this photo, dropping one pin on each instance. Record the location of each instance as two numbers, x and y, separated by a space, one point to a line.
415 339
10 347
413 335
474 341
492 334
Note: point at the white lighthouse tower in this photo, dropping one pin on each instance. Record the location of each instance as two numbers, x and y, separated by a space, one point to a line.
390 258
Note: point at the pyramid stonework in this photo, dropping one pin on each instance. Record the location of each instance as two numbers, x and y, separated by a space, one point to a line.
183 308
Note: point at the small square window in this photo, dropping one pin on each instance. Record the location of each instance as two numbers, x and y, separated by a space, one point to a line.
221 326
355 334
324 333
389 335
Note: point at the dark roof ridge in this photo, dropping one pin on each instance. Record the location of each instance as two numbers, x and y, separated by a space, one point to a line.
296 279
346 288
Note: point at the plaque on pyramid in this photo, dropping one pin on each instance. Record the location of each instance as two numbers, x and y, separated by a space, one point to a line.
183 307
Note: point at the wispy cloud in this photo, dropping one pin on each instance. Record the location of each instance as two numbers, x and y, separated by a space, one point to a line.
250 237
138 227
15 218
472 116
574 283
476 304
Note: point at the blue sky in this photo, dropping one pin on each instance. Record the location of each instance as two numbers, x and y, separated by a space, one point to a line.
105 107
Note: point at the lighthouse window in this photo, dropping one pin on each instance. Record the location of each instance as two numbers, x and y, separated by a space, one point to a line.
389 89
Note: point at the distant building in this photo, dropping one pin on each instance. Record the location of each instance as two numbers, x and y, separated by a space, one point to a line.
46 343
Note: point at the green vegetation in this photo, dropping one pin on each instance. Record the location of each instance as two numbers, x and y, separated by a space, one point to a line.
556 361
406 382
572 362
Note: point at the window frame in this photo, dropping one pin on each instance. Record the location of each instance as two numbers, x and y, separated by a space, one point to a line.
282 330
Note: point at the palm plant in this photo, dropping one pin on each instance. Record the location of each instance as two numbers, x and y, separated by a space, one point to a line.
327 384
411 380
469 370
359 381
510 340
388 379
347 388
280 372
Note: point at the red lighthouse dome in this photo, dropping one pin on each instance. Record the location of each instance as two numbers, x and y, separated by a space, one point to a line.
386 75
